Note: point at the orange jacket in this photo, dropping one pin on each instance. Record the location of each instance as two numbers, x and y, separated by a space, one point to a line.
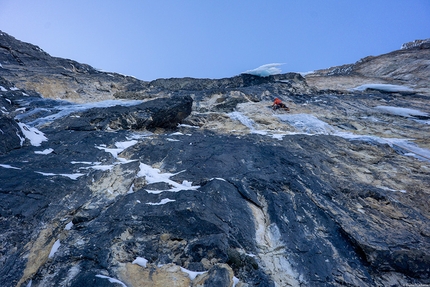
277 101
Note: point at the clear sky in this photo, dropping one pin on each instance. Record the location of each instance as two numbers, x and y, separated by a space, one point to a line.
214 39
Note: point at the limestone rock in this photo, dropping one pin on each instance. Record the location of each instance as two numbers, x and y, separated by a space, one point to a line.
30 68
166 275
207 183
409 67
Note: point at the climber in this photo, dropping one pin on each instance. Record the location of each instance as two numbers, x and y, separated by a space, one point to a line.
278 104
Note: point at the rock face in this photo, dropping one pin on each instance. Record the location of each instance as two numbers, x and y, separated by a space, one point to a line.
409 66
30 68
198 182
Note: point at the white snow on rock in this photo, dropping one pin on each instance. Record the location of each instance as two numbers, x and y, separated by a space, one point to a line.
311 125
3 89
111 280
163 201
383 87
68 108
45 151
8 166
265 70
154 175
54 248
121 146
172 140
125 144
85 162
140 261
101 167
246 121
35 136
73 176
308 124
192 274
68 226
404 112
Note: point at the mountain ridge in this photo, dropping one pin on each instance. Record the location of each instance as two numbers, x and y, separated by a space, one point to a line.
408 66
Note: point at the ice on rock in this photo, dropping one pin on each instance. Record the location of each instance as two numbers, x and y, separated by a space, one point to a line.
140 261
192 274
246 121
35 136
45 151
404 112
111 280
73 176
68 226
308 124
383 87
163 201
8 166
154 175
54 248
64 109
265 70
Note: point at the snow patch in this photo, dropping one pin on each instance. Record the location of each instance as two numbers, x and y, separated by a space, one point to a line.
121 146
66 108
35 136
244 120
111 280
154 175
308 124
45 151
218 178
163 201
403 112
125 144
140 261
188 126
8 166
384 88
85 162
73 176
192 274
3 89
54 248
265 70
68 226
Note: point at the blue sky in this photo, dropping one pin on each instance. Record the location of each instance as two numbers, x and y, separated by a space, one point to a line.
214 39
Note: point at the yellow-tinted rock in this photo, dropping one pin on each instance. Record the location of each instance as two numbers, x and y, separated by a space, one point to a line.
167 275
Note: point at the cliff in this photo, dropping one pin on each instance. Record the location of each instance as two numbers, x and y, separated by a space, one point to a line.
198 182
409 66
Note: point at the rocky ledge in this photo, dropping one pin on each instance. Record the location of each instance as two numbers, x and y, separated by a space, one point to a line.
198 182
408 66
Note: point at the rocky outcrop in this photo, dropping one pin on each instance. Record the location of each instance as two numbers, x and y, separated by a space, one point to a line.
30 68
200 183
408 66
159 113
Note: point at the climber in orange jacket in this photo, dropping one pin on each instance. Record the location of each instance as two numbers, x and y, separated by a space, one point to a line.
278 104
